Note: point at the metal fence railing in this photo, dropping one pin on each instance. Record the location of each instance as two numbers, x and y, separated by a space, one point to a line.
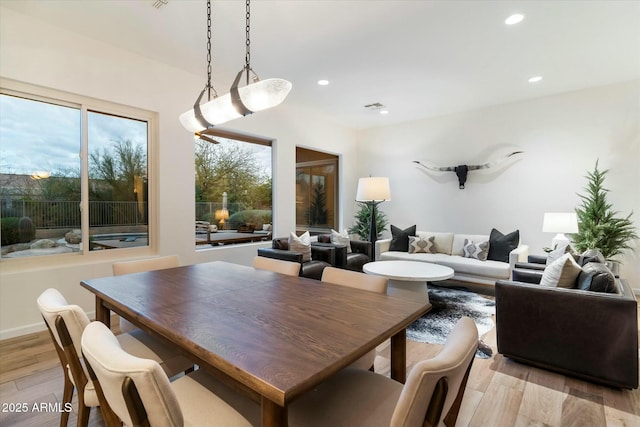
66 214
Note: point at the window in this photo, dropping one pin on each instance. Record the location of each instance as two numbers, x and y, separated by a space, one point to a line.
316 191
233 189
48 183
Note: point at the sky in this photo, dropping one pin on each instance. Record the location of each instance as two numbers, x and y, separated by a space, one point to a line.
38 136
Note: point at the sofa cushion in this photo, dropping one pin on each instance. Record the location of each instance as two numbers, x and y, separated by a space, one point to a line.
420 257
341 239
474 267
458 242
500 245
301 244
597 277
422 245
400 238
561 273
475 250
443 241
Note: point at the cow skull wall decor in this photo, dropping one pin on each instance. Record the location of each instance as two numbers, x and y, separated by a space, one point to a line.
462 170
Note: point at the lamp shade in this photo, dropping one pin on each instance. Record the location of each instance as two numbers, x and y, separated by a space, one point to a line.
257 96
373 189
560 222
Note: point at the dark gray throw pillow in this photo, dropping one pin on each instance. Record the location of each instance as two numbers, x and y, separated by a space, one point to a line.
500 245
597 277
400 238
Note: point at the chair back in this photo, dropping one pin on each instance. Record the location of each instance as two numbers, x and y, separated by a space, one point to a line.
147 264
354 279
434 388
52 304
115 368
277 265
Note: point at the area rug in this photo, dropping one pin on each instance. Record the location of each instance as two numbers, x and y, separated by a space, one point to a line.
449 305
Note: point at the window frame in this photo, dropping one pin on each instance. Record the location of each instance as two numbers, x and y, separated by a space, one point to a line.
85 104
252 139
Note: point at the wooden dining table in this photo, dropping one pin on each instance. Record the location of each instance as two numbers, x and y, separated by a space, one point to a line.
269 335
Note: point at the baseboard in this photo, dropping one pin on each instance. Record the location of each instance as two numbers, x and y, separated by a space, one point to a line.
5 334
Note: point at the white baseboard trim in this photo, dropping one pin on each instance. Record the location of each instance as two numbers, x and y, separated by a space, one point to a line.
30 329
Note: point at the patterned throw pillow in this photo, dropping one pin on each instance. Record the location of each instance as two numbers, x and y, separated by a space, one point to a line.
341 239
301 244
480 251
562 273
424 245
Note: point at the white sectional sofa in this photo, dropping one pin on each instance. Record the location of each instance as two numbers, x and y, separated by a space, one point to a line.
448 248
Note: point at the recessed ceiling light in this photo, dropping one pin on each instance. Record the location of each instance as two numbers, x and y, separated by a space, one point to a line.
514 19
535 79
384 112
323 82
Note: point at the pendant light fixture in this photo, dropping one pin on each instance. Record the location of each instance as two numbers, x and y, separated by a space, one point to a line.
257 95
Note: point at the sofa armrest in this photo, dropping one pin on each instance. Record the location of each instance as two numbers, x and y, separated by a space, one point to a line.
527 276
361 247
280 254
530 266
519 254
592 335
324 253
339 256
382 246
537 259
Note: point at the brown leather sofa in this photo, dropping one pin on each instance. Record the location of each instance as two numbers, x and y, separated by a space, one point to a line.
586 334
321 257
360 253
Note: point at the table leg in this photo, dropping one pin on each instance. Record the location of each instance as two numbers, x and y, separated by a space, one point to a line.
103 314
399 356
273 415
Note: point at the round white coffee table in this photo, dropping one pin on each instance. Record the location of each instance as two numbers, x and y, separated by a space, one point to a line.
409 278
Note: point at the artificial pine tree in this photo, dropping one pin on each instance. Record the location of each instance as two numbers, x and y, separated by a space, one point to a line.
598 224
363 221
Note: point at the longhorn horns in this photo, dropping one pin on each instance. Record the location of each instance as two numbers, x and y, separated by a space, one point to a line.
461 170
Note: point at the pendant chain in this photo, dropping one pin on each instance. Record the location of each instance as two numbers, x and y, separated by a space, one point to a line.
209 87
247 57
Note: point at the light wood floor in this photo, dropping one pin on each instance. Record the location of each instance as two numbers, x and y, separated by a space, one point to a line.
500 392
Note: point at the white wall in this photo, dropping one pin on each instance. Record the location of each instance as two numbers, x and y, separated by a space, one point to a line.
561 136
38 53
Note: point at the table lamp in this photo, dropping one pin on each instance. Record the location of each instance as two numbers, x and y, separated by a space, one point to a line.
221 216
373 190
560 222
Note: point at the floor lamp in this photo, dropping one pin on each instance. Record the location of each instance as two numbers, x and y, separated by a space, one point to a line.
373 190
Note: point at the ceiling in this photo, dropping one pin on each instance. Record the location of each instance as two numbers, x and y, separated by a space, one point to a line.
418 58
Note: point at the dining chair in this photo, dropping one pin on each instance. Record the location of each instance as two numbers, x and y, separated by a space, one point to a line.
139 266
367 282
277 265
431 395
65 323
140 394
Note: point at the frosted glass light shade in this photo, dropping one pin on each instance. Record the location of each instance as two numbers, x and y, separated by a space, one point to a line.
373 188
256 97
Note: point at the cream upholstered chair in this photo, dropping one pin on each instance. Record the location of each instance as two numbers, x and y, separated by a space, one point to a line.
277 265
431 395
139 393
367 282
138 266
354 279
65 323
